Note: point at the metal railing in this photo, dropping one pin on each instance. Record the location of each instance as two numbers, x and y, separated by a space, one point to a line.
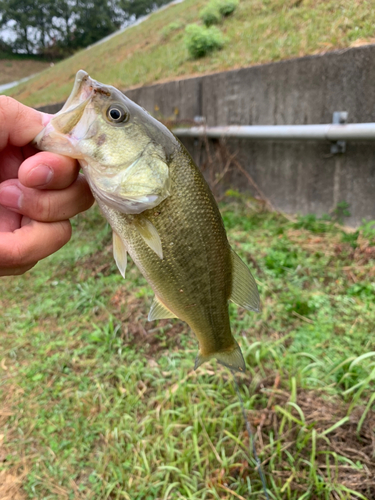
337 132
328 132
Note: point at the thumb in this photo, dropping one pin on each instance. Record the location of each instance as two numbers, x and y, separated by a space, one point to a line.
19 123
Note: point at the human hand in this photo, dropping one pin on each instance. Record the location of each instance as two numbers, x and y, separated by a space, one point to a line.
39 191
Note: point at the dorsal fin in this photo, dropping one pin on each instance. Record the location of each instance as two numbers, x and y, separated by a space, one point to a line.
119 253
150 235
244 289
159 311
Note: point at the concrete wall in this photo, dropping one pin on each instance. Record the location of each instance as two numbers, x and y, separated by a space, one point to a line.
296 176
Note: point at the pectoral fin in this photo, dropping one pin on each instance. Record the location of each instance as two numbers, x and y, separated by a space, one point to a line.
231 359
150 235
244 289
119 253
159 311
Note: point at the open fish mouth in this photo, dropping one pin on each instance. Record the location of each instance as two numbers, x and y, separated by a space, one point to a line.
64 131
82 89
71 113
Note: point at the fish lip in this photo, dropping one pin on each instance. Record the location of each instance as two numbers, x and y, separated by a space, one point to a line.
62 123
65 121
80 96
81 78
84 89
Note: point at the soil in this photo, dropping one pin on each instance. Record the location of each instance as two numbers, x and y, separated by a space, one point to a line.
13 69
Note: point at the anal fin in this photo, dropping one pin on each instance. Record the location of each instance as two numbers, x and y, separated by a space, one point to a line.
119 253
159 311
149 234
244 289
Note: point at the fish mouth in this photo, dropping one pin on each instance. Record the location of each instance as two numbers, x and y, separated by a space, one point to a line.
59 135
80 91
70 114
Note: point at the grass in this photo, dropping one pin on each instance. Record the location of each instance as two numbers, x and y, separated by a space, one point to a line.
259 31
98 403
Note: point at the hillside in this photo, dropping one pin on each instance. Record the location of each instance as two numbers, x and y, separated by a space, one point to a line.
259 31
14 69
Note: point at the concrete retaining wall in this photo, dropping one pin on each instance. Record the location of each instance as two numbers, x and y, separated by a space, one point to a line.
296 176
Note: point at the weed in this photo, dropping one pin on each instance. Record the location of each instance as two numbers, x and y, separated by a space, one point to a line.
170 28
351 238
210 15
216 9
201 40
314 224
368 231
227 7
96 402
341 211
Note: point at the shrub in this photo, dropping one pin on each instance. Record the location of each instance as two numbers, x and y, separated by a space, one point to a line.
201 40
227 7
210 14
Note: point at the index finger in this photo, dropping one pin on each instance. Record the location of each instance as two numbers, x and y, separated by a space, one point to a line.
19 124
33 241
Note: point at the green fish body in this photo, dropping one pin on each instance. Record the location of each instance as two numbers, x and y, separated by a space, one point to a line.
161 210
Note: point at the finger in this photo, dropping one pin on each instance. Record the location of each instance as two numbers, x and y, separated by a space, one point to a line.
11 158
49 205
9 221
48 171
16 271
34 241
19 123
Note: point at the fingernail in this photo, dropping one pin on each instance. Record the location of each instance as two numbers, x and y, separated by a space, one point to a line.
11 197
40 176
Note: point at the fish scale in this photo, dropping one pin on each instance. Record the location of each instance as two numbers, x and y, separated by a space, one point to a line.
161 210
194 282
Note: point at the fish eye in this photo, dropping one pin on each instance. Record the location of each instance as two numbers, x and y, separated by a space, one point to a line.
117 114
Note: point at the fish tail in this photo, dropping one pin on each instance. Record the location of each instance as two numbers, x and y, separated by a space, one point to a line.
232 359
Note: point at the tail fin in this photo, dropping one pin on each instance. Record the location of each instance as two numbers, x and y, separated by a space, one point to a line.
231 359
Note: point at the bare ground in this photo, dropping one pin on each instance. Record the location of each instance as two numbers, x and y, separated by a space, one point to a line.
12 70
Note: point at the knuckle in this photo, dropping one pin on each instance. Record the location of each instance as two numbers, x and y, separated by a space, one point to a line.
6 102
9 105
11 109
19 256
49 211
45 210
65 233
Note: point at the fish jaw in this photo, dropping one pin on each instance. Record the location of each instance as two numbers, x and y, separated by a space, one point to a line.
49 139
81 85
64 131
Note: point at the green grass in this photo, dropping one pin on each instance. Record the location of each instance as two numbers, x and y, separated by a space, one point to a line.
259 31
104 404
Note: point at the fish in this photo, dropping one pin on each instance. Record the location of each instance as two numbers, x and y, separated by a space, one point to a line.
161 211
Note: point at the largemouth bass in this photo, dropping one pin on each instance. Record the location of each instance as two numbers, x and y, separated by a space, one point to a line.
161 210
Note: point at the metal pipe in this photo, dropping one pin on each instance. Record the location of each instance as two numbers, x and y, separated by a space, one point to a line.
327 132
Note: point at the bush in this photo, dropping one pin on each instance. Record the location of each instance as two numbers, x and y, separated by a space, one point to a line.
201 40
210 14
227 7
